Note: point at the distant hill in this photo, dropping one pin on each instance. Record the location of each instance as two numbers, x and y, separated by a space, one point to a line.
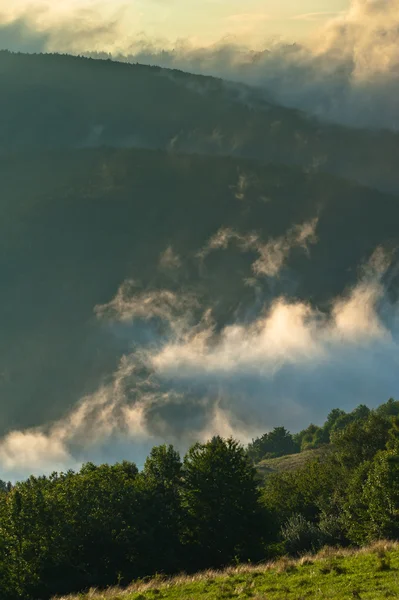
54 101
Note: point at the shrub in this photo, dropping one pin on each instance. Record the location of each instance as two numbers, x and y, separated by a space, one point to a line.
301 535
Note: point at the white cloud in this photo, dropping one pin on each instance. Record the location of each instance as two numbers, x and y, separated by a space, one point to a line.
36 450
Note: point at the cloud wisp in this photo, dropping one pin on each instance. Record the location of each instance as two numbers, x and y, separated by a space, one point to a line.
272 254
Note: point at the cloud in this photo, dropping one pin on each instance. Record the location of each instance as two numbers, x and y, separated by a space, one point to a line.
272 254
20 36
288 333
40 452
347 73
290 365
167 306
316 16
275 252
50 28
169 260
248 17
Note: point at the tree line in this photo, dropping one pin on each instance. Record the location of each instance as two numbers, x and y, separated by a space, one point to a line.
280 442
111 524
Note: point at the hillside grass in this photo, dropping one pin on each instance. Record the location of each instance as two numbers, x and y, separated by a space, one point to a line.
291 462
371 573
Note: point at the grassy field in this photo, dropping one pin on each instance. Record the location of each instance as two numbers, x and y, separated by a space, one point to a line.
371 573
291 462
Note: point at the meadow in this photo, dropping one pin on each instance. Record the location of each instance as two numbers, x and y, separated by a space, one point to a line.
335 574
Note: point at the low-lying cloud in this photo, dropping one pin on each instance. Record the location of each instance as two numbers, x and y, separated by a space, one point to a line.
347 73
290 364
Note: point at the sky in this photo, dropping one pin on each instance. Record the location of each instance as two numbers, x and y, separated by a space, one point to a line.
199 22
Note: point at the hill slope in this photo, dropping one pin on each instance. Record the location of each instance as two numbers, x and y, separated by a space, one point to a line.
75 224
291 462
368 574
52 101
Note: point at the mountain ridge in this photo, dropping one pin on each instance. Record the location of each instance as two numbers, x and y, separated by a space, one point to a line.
77 102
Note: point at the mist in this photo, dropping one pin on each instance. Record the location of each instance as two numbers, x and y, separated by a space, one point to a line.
187 379
348 72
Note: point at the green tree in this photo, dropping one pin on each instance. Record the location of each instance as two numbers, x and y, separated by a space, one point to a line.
389 409
309 491
381 496
220 497
354 505
278 442
161 512
311 437
362 439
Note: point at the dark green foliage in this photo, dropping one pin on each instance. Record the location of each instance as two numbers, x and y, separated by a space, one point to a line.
389 409
278 442
108 525
361 439
315 436
220 499
161 483
311 437
374 499
352 495
302 536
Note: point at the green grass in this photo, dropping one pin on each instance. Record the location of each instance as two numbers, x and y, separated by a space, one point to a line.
371 573
291 462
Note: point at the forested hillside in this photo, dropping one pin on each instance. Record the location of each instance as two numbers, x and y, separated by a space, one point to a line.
53 101
107 525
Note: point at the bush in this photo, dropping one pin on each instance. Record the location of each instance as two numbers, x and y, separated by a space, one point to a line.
301 535
332 529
